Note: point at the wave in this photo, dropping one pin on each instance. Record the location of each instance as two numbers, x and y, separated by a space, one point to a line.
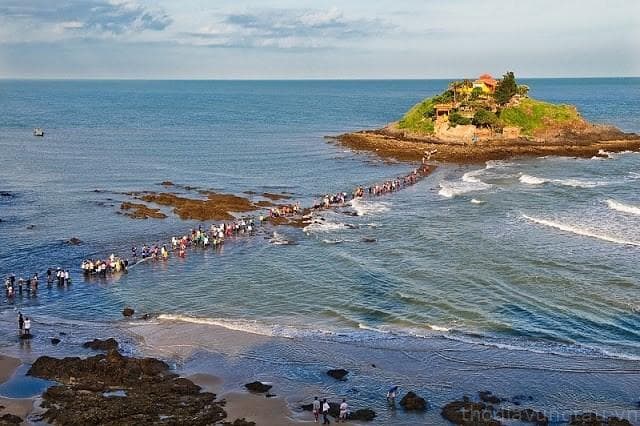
474 201
625 208
575 183
247 326
532 180
574 229
452 189
471 177
363 207
324 226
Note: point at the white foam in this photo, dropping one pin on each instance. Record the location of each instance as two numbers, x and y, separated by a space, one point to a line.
625 208
451 189
474 201
319 226
363 207
494 164
532 180
471 177
246 326
585 232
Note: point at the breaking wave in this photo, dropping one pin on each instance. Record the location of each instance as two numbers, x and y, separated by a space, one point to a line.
451 189
363 207
625 208
532 180
585 232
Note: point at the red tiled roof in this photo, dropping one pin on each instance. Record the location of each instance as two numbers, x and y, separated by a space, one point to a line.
488 79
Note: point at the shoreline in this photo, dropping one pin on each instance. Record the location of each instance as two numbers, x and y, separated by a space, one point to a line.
391 146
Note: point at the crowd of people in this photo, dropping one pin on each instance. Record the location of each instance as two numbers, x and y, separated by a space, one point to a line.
103 267
17 286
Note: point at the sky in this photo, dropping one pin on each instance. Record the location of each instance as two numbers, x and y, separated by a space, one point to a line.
287 39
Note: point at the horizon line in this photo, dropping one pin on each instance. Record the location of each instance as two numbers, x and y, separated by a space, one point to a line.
295 79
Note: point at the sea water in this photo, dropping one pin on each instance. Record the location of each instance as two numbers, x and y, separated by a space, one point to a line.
533 256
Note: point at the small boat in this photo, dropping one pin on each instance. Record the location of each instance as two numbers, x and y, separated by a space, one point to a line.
38 132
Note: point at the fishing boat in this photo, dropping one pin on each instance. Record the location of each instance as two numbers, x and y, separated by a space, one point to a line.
38 132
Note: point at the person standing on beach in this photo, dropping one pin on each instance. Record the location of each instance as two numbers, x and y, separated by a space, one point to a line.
20 323
344 410
316 408
325 412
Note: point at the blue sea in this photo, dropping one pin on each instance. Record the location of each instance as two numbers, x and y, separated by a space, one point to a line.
530 258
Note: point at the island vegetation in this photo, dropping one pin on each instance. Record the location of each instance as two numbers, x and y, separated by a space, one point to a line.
482 119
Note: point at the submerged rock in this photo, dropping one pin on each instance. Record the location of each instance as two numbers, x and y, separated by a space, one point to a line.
338 374
239 422
258 387
489 397
128 312
152 394
412 402
73 241
101 345
363 414
55 341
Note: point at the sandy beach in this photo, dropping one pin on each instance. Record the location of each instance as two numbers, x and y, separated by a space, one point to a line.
15 406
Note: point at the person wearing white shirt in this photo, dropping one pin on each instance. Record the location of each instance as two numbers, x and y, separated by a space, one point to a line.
344 410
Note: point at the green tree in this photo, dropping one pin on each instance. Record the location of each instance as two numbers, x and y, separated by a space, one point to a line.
476 93
505 89
456 118
485 118
523 90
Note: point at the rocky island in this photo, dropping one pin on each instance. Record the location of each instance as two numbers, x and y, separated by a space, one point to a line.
489 119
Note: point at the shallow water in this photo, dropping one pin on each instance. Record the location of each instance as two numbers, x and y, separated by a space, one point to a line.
537 255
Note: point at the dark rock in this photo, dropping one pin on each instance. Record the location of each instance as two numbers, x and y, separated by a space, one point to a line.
306 407
167 183
413 402
101 345
145 317
489 397
55 341
527 415
338 374
239 422
364 414
369 240
153 394
10 419
467 413
592 419
128 312
73 241
6 194
258 387
62 333
270 395
32 226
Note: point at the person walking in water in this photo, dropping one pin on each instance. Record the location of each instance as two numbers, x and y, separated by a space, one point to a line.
20 323
325 412
316 408
27 326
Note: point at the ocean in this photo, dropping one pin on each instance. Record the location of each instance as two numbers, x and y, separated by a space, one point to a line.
526 258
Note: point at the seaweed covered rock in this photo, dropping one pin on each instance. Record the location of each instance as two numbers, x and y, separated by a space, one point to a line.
128 312
10 419
489 397
412 402
115 389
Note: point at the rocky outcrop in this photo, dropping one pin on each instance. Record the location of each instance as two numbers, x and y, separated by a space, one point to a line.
468 413
128 312
592 419
10 419
73 241
101 345
258 387
527 415
338 374
148 393
412 402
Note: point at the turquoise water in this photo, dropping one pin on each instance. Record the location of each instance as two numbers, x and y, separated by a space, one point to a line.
535 254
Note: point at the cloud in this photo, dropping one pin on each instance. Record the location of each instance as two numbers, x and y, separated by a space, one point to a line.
46 20
286 28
